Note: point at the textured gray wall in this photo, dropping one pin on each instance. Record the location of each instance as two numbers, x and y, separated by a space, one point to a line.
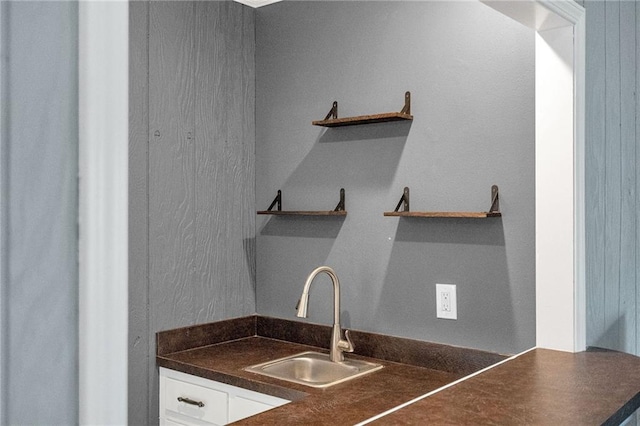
192 199
612 178
39 202
471 75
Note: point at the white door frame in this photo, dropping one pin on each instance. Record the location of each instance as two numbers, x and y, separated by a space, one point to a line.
560 258
560 159
103 211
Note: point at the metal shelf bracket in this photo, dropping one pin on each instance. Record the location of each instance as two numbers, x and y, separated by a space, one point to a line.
495 200
276 201
340 207
407 104
333 113
404 200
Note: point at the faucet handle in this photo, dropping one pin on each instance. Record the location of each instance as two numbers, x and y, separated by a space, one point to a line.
346 345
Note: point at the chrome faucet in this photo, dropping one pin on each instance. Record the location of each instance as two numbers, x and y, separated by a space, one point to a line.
338 345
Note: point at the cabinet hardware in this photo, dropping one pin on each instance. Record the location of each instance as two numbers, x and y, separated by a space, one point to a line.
191 401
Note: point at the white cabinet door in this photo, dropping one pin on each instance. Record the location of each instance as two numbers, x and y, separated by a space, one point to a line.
240 407
191 400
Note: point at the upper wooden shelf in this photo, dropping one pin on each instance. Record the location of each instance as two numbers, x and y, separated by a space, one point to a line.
494 210
332 120
277 203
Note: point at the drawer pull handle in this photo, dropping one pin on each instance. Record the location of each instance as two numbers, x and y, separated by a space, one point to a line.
191 401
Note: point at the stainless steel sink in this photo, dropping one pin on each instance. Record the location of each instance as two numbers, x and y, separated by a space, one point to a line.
314 369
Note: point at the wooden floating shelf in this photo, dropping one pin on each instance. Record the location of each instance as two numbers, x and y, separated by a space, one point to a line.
277 202
332 120
477 215
364 119
494 210
304 213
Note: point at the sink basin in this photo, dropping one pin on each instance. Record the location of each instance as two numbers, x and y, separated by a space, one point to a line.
314 369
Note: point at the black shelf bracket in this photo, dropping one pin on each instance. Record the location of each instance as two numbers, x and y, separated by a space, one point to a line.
276 201
407 104
333 113
404 200
340 207
495 200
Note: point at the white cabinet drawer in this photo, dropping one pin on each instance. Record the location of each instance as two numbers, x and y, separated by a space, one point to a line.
221 403
167 422
176 392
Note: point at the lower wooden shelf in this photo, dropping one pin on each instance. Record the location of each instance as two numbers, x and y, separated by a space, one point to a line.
494 210
477 215
277 202
304 213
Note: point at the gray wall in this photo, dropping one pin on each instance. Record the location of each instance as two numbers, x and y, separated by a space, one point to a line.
39 213
613 240
471 75
140 337
192 199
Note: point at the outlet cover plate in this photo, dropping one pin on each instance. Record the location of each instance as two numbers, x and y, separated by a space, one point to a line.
446 301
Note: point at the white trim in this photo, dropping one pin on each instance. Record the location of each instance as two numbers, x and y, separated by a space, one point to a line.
103 169
580 256
555 225
568 9
257 3
538 15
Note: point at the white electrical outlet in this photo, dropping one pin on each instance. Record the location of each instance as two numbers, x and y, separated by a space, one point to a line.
446 306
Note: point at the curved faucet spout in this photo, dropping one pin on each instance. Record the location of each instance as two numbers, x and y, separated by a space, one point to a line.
338 345
304 299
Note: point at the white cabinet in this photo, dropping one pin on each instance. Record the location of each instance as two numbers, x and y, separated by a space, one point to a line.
192 400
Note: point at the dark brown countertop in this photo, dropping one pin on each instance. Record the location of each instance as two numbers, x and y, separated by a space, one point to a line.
345 403
538 387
